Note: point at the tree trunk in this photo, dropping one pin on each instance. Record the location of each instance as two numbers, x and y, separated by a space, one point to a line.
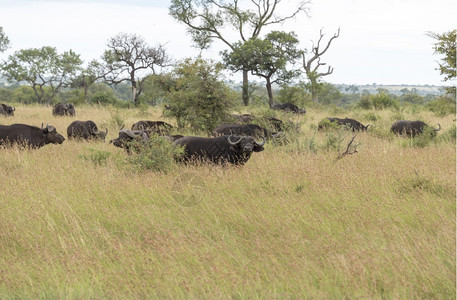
270 92
314 90
245 92
134 94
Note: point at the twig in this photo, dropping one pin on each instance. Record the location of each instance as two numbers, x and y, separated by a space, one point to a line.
347 152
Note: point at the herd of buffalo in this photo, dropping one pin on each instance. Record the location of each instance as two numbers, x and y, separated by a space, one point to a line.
231 143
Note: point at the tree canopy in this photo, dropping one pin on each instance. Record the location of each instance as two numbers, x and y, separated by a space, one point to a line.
42 68
269 58
129 58
210 20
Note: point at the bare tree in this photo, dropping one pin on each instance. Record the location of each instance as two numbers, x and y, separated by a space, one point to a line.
129 58
210 20
312 64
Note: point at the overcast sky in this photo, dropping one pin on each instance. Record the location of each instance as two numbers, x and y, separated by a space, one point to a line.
381 41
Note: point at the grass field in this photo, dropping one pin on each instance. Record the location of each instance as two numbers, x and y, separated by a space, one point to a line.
294 222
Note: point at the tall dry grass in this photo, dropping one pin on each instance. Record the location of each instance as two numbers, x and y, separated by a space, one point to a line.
294 222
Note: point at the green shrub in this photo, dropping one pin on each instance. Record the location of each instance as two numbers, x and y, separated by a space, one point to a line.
442 106
371 116
199 97
159 155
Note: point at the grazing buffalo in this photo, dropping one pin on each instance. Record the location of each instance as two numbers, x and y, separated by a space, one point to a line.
85 130
410 128
351 123
242 129
159 127
30 136
129 140
289 107
7 110
223 149
63 109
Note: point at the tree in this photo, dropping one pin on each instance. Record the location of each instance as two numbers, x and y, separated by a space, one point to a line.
197 96
88 76
131 59
267 58
211 20
42 68
4 41
446 46
312 71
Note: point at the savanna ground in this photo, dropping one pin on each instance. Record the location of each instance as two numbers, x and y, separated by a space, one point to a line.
294 222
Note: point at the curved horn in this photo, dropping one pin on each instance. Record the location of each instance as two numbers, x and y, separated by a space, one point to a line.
123 125
41 125
260 144
233 143
439 127
128 133
106 131
94 130
47 126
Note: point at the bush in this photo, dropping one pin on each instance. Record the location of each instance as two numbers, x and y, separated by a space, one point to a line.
442 106
199 98
159 155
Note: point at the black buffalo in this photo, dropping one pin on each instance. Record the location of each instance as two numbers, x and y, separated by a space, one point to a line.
63 109
159 127
85 130
131 140
253 130
270 122
351 123
7 110
223 149
410 128
30 136
289 107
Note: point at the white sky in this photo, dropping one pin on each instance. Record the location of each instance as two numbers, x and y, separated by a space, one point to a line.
381 41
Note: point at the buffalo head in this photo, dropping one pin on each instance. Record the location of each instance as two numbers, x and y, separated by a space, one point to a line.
51 135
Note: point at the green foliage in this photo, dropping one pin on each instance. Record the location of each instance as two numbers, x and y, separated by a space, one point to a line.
379 101
269 58
295 94
6 95
199 98
446 46
103 98
325 124
442 106
4 41
373 117
158 156
118 117
42 68
97 157
422 140
329 94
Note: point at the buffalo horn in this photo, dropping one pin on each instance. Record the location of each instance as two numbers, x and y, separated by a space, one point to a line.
439 127
14 108
233 143
106 131
41 125
260 144
122 127
129 133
